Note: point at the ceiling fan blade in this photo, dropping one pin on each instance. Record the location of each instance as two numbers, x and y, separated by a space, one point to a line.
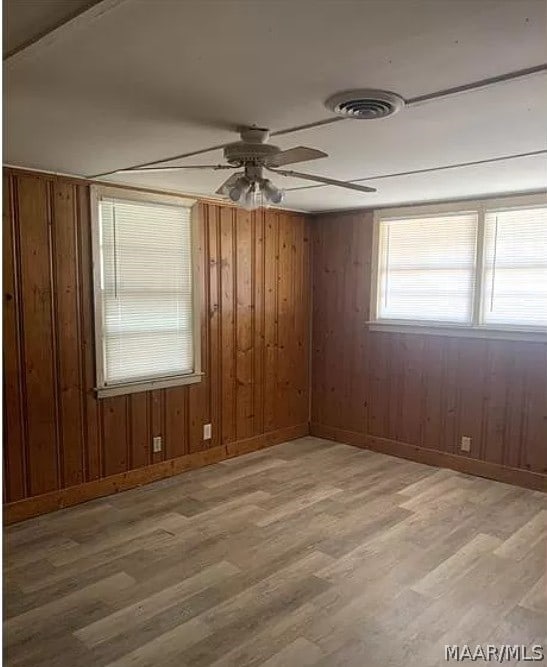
232 180
324 179
297 154
148 170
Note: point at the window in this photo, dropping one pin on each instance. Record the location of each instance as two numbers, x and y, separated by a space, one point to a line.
515 267
479 266
145 302
426 268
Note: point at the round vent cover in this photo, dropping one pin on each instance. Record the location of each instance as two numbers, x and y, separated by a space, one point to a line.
365 104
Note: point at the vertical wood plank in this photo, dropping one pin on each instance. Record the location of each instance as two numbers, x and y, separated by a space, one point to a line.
498 366
215 326
358 305
39 374
139 427
68 332
285 317
450 392
412 391
516 416
339 371
176 443
227 304
199 407
379 415
14 429
434 387
271 241
301 343
91 408
319 318
534 445
156 403
114 413
470 376
244 325
259 321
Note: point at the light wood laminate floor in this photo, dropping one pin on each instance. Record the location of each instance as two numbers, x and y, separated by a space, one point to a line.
306 553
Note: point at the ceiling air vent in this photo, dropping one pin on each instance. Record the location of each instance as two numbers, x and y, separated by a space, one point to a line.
365 104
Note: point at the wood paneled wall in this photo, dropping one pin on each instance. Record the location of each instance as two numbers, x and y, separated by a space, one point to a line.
254 277
380 389
405 393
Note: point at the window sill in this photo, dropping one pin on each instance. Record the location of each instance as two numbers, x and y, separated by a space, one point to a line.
147 385
531 335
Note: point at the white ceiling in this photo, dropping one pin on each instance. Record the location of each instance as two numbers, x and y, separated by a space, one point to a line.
154 78
24 20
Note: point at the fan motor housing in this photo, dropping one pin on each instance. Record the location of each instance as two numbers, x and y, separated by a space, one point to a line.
242 152
365 104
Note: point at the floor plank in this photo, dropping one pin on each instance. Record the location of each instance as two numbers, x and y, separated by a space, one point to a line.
306 553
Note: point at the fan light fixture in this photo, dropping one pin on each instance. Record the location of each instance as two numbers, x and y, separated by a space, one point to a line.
252 193
248 188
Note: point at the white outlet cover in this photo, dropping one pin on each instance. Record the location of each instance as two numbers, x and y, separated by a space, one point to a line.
207 431
157 443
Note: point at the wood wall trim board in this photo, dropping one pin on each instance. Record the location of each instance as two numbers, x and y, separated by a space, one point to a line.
463 464
338 434
74 495
267 439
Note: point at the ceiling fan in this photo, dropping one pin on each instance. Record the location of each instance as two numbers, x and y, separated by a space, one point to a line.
253 155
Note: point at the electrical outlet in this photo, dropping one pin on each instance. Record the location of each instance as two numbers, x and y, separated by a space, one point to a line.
465 444
207 431
157 443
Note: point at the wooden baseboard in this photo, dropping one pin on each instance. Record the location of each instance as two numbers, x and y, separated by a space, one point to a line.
338 434
74 495
464 464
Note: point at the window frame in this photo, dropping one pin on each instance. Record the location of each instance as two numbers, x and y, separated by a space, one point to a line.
475 329
102 389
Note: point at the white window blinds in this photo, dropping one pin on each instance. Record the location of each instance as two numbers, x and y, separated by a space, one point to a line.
426 268
145 290
515 267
